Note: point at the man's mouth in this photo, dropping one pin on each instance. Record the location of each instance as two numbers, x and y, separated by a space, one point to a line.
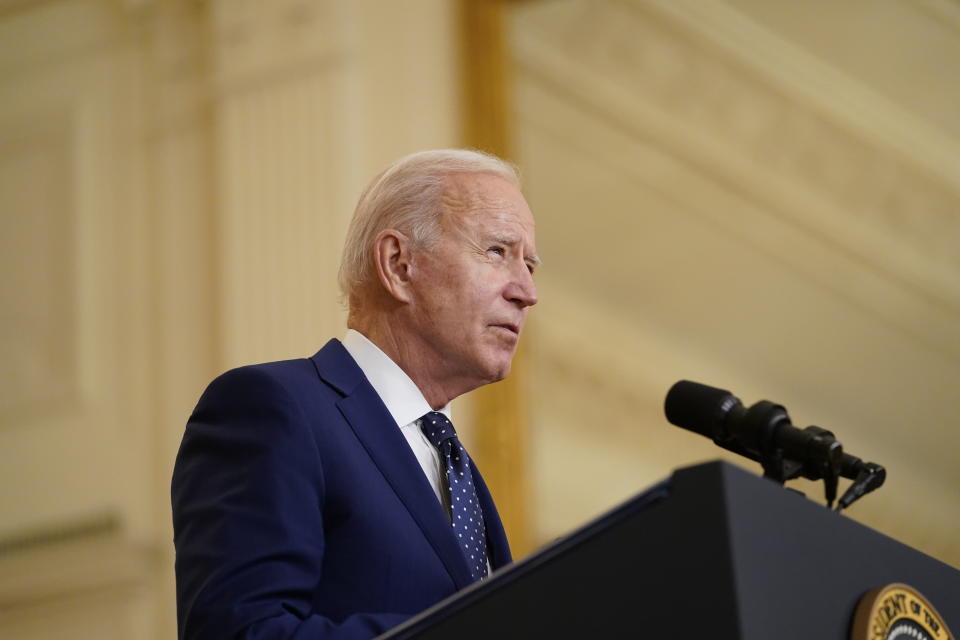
513 328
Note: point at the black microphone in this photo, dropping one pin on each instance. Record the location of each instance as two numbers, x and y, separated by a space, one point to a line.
764 433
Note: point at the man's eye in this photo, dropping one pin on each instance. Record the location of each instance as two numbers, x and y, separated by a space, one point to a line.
500 251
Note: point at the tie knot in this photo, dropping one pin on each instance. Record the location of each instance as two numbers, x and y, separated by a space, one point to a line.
437 427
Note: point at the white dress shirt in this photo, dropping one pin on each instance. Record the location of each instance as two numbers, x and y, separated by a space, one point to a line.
406 404
404 401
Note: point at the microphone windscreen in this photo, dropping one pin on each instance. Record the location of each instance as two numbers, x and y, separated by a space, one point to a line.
698 407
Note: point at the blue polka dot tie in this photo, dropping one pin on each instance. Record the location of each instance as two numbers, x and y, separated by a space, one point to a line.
466 517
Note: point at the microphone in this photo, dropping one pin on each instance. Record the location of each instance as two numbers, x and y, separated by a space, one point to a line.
763 432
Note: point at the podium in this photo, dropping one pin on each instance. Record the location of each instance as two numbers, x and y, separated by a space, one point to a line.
713 552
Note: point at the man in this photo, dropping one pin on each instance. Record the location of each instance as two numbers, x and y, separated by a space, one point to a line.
327 497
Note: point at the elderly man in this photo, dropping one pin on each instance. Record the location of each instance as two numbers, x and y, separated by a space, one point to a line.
329 496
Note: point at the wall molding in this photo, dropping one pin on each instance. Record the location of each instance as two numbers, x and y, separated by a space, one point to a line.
815 83
647 77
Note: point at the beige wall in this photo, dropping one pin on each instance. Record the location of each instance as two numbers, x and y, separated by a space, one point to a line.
176 180
743 194
716 200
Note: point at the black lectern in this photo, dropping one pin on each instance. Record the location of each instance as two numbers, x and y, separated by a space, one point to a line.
714 553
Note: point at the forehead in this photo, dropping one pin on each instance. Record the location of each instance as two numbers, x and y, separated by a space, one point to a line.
484 200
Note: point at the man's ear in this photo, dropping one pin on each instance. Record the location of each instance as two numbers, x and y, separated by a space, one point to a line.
391 256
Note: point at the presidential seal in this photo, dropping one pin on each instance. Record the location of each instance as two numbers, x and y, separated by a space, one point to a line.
897 612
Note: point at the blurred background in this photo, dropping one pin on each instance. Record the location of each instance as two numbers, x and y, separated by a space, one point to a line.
762 195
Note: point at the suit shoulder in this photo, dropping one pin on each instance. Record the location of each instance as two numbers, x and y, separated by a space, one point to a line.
280 373
278 370
280 379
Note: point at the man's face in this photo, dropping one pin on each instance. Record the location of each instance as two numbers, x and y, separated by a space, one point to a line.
473 289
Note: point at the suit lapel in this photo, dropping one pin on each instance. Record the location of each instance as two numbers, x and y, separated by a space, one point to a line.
381 438
497 545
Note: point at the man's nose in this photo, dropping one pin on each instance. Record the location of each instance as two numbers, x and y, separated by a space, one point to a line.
522 289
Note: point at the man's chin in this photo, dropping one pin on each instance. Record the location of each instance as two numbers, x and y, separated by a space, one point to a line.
496 363
501 370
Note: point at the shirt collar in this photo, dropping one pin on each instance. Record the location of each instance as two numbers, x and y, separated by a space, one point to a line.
399 393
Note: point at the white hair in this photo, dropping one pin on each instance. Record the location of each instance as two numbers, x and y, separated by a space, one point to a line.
406 196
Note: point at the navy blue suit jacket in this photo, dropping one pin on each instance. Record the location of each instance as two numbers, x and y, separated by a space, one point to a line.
299 510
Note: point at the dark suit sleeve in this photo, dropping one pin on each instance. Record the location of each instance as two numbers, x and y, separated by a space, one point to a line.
248 498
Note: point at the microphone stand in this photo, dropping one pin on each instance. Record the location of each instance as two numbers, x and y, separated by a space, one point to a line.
870 477
825 460
763 432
